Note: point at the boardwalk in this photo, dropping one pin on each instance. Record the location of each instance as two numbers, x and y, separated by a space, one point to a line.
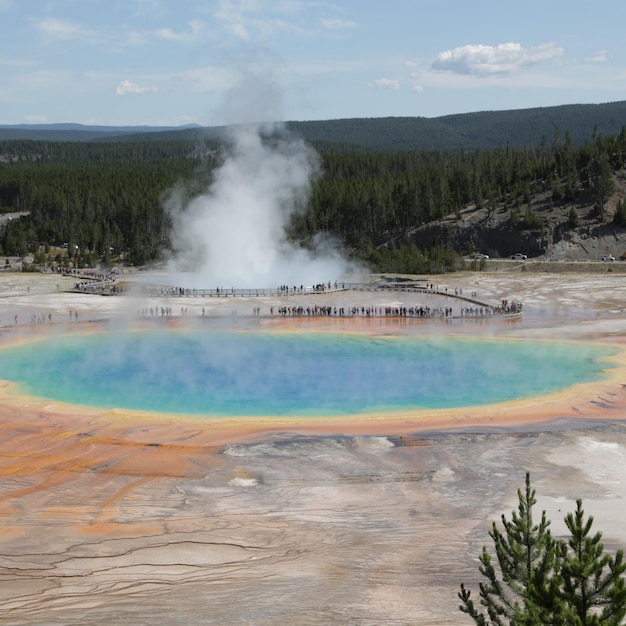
471 305
420 299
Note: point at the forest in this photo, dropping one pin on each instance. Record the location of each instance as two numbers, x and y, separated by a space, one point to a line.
105 199
482 130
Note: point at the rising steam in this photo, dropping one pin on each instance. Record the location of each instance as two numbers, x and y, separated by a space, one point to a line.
233 235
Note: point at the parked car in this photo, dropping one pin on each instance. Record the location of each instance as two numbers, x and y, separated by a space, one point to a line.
607 257
480 257
518 256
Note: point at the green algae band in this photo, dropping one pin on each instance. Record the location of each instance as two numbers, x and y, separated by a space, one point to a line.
246 374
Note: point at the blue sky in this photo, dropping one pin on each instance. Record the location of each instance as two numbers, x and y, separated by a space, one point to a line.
171 62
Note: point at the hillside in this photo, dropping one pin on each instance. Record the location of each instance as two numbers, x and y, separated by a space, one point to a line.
469 131
492 233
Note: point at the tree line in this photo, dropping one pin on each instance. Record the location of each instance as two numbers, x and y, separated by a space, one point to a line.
106 199
482 130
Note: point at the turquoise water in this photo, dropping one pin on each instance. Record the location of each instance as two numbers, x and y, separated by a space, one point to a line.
248 373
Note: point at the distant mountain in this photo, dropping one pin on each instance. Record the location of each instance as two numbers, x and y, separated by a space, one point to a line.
483 130
80 132
471 131
96 128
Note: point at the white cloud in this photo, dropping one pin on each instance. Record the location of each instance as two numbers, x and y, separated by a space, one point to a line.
503 59
63 29
235 16
35 119
599 57
385 83
417 88
5 5
413 63
126 88
338 24
247 19
195 27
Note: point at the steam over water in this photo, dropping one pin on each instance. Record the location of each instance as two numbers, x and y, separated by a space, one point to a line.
248 373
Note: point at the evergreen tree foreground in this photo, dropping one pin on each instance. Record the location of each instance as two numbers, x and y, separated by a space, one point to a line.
536 579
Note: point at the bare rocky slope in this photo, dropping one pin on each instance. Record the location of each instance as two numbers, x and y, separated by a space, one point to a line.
479 231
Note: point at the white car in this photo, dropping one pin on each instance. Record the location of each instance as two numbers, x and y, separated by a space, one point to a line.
518 256
480 257
608 257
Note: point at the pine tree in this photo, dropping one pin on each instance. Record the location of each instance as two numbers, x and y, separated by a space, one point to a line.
593 582
620 213
540 580
523 589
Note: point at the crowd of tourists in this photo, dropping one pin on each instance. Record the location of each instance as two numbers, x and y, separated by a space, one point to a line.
317 288
423 312
505 308
364 311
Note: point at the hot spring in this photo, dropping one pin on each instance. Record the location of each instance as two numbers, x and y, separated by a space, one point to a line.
216 374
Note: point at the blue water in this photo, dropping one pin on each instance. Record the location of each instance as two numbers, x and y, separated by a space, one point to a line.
248 373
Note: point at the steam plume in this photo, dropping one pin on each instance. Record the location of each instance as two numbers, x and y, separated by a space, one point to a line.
233 235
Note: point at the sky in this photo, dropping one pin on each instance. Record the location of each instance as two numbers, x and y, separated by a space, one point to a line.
215 62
